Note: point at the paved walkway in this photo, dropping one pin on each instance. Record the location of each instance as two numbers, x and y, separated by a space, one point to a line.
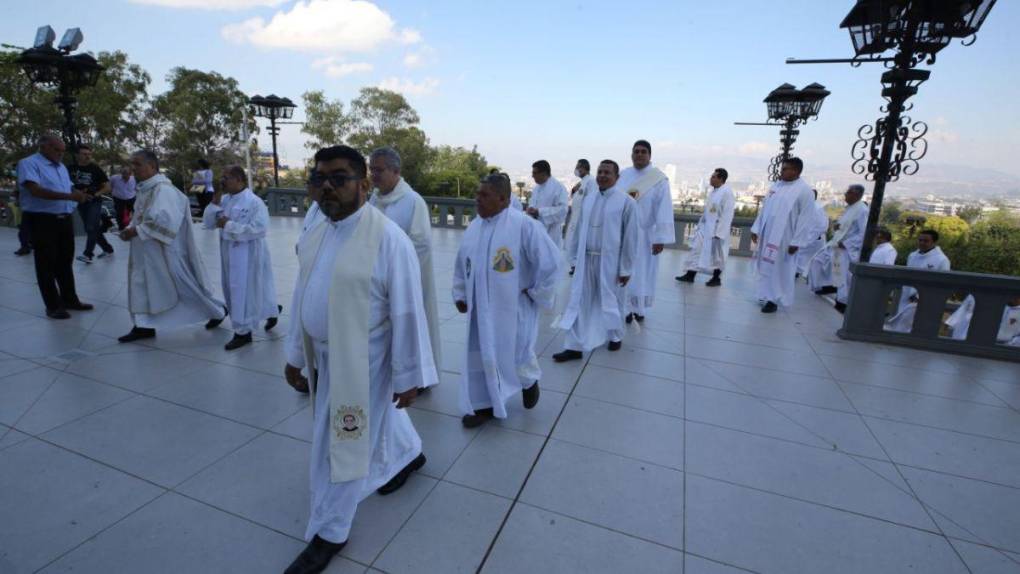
719 440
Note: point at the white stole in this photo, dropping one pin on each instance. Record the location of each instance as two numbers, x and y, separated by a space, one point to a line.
348 325
648 179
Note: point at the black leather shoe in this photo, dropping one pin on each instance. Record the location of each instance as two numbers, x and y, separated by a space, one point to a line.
687 277
397 481
57 314
480 417
271 322
213 323
530 396
315 557
136 334
841 307
79 306
615 345
639 318
713 282
22 251
769 307
423 390
567 355
827 290
630 318
238 341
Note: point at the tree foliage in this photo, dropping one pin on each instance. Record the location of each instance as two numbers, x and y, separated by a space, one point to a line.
325 121
109 112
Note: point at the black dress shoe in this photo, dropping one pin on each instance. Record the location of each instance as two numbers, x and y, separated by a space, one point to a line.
315 557
687 277
630 318
57 314
480 417
237 342
79 306
22 251
615 345
530 396
397 481
769 307
567 355
827 290
136 334
713 282
639 318
423 390
841 307
213 323
271 322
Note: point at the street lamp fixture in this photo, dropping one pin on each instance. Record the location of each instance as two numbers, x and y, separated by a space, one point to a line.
273 108
46 65
789 108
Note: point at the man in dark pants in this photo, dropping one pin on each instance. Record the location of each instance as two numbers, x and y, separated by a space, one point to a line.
91 180
24 240
48 201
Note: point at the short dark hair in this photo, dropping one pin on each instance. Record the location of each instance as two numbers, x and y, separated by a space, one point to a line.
722 173
884 233
616 166
348 153
931 233
795 162
84 146
148 156
203 163
498 181
542 166
584 163
642 143
237 172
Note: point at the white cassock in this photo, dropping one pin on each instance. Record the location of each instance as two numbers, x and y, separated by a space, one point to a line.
786 219
884 254
550 198
585 186
831 266
506 272
167 285
409 211
357 305
820 223
245 267
603 250
650 187
515 202
710 243
312 216
903 320
1009 326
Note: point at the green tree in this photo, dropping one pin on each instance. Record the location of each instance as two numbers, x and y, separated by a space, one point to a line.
110 112
891 212
384 118
970 213
26 111
325 121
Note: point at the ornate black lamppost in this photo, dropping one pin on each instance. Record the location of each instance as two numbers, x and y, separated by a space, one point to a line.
273 108
789 108
46 65
914 31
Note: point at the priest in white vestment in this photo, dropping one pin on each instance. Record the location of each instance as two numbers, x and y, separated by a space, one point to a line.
245 267
884 252
359 329
167 285
601 255
710 244
312 216
650 188
548 202
807 253
583 187
830 269
1009 325
398 201
504 275
928 256
784 224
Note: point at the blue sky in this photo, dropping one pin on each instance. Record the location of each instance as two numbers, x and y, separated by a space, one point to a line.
525 80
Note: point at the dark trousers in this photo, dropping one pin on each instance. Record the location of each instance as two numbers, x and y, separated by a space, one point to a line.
53 247
90 212
24 235
123 208
204 199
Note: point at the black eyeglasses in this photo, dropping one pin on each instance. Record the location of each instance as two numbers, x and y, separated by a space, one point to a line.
336 180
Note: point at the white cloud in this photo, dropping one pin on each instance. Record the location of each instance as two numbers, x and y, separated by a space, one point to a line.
409 87
943 136
211 4
336 68
421 57
335 26
414 60
755 148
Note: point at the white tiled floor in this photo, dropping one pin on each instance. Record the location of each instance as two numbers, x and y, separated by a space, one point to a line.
719 440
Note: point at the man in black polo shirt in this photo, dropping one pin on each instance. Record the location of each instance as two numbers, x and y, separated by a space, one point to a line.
90 179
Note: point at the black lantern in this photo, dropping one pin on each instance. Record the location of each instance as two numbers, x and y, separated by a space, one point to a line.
781 102
809 101
82 70
873 25
273 107
902 82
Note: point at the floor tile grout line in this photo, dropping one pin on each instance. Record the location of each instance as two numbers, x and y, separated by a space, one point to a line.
718 561
403 524
534 463
683 541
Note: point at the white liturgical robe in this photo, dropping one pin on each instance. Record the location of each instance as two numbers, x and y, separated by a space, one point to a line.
650 188
550 199
785 220
585 186
932 260
1009 325
710 243
820 222
409 211
245 267
884 254
602 251
831 266
399 359
506 272
167 285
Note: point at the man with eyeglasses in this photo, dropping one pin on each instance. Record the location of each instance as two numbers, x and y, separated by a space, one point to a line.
358 329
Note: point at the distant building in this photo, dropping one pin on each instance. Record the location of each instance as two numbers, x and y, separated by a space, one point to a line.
934 205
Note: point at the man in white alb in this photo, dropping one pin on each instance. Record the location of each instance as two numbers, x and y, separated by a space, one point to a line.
360 332
711 242
928 256
818 232
587 184
601 255
830 268
548 202
505 273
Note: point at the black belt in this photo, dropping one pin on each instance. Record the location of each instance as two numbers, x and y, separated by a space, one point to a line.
53 215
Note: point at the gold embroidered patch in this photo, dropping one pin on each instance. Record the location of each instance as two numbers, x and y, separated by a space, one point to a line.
633 192
503 262
348 422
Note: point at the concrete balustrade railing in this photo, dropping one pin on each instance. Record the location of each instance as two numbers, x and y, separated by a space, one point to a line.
870 303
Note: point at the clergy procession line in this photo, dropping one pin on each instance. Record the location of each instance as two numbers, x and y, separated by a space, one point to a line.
363 340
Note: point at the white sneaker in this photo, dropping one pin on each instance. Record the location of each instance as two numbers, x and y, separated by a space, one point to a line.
84 258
